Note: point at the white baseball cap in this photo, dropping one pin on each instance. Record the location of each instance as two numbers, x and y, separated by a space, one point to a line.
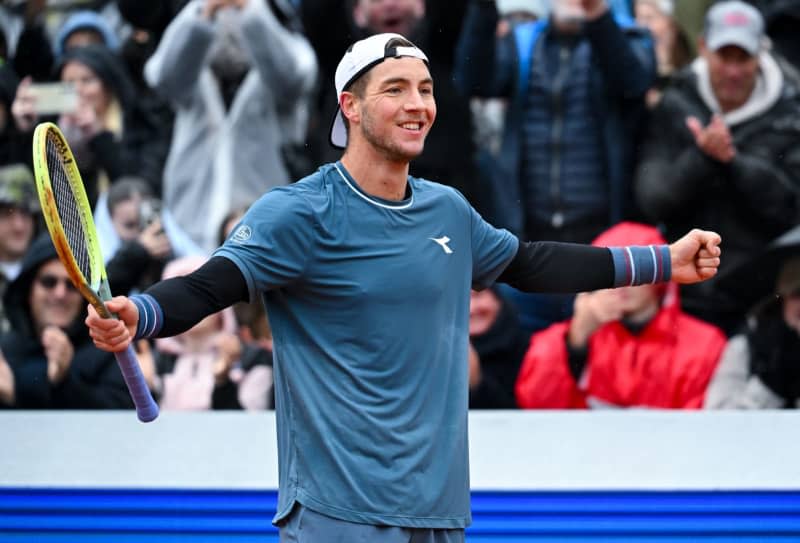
360 58
734 23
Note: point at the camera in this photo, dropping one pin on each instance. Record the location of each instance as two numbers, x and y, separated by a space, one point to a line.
149 211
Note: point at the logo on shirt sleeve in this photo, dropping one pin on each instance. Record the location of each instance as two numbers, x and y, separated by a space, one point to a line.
242 234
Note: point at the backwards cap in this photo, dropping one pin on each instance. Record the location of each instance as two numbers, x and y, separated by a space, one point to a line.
359 59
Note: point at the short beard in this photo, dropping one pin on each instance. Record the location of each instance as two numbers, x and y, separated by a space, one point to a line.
386 147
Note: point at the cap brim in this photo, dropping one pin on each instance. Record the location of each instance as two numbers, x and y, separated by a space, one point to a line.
733 37
338 131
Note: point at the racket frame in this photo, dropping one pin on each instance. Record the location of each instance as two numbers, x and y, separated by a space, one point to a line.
95 289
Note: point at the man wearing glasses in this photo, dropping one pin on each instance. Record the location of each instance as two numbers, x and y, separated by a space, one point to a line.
47 359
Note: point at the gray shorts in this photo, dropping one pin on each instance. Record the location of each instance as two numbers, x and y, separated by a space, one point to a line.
306 526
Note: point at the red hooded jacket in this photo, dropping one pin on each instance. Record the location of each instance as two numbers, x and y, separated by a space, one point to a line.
667 365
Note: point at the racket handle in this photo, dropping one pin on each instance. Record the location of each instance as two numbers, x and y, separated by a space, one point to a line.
146 407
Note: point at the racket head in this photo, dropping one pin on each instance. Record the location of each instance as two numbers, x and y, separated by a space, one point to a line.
68 215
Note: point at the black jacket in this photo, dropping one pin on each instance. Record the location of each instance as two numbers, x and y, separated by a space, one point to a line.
94 380
749 201
131 268
501 350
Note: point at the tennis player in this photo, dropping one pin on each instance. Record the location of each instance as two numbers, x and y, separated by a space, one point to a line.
366 275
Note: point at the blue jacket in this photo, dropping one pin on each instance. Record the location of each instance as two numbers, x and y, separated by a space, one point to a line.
623 68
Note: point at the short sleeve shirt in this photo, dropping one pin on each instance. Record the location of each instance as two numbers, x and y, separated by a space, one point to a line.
368 301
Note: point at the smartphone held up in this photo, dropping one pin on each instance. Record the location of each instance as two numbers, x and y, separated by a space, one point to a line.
53 98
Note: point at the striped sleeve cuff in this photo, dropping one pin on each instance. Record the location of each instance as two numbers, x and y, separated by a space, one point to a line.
151 317
640 265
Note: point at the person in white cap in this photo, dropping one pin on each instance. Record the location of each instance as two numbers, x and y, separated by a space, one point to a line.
366 274
721 151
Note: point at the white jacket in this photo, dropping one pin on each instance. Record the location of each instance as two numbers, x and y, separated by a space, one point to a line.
220 160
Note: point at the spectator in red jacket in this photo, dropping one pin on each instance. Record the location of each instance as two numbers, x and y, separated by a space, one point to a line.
629 347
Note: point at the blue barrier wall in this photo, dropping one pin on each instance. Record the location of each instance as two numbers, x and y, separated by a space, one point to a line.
612 477
153 516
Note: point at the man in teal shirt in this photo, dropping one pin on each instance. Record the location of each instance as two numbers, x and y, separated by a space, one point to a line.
366 274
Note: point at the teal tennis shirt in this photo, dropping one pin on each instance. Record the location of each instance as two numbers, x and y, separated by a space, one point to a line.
368 300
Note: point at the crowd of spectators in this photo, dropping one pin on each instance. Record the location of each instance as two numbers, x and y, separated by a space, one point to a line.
612 122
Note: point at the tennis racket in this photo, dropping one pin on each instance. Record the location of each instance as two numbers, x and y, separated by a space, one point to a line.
68 216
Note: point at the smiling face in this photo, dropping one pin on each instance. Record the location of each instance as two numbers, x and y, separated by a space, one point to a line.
396 111
484 307
52 299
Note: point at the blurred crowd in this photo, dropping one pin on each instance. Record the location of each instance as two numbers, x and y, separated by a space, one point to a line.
625 125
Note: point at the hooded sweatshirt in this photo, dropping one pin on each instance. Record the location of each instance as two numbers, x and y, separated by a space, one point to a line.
666 364
93 381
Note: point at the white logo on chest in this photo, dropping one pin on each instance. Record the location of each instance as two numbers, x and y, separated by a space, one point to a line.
443 241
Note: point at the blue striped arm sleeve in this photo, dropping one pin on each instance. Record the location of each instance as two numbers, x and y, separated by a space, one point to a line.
639 265
151 317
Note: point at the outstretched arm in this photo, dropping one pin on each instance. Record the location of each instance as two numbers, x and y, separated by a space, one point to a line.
572 267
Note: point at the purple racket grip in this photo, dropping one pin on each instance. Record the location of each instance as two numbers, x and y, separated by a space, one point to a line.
146 407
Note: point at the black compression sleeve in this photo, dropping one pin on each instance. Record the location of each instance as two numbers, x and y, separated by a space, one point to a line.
547 266
186 300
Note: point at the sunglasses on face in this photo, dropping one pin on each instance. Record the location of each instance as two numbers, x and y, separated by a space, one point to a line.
49 282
